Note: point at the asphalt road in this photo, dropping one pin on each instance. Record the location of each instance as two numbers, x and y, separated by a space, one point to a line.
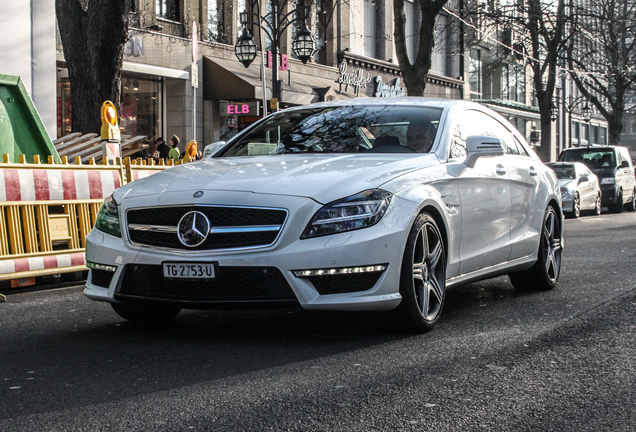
499 360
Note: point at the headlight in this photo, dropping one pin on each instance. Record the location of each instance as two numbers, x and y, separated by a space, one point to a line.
358 211
108 217
608 180
564 193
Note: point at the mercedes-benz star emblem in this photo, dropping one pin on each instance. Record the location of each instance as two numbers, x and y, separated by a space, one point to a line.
198 194
193 228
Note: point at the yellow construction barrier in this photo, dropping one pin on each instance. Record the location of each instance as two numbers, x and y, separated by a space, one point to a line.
47 210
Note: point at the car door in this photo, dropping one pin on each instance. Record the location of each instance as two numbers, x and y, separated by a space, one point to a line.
587 189
485 201
523 172
625 174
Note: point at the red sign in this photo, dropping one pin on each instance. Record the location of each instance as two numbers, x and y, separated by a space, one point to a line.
239 109
283 64
195 42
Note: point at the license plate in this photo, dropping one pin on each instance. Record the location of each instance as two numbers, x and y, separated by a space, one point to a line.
188 271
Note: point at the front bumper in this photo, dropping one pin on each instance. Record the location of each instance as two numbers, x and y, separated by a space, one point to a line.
609 194
264 275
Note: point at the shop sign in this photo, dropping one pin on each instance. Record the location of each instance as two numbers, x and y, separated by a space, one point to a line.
388 90
355 79
283 63
239 109
134 47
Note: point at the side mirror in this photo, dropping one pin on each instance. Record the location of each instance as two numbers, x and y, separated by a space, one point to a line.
481 146
212 149
624 164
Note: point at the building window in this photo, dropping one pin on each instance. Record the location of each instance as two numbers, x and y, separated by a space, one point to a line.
168 9
363 30
412 15
475 74
216 28
513 83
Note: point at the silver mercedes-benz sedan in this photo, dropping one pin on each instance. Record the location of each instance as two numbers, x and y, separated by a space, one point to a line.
372 204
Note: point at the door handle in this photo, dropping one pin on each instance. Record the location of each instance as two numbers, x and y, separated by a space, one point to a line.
532 171
500 170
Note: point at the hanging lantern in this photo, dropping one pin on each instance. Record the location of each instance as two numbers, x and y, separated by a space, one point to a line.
245 48
304 46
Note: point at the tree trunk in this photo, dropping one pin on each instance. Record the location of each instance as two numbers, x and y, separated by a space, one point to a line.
416 74
93 39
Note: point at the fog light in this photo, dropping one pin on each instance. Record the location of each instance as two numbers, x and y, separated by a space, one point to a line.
104 267
340 271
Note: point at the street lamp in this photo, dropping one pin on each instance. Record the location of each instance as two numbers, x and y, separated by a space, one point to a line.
570 105
274 24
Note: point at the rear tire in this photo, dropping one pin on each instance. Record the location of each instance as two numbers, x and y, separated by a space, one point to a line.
631 205
597 206
423 276
146 312
576 207
543 275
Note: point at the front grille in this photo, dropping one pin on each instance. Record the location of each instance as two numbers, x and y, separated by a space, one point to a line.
241 218
101 278
231 284
344 283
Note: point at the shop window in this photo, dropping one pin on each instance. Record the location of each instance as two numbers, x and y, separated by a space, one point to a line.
64 108
168 9
141 107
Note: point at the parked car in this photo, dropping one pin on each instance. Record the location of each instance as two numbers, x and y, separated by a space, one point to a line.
373 204
580 189
614 169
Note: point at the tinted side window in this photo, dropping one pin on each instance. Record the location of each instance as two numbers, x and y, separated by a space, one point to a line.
495 129
467 125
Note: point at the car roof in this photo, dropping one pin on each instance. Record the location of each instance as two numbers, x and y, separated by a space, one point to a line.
403 101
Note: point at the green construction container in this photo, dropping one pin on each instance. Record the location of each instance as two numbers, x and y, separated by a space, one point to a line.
21 129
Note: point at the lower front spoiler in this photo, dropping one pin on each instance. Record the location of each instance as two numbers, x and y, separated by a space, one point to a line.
213 305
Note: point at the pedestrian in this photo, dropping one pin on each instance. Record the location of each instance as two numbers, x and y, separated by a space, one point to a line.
174 151
163 149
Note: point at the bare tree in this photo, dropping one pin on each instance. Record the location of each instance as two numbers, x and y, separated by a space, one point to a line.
415 74
93 34
602 57
535 31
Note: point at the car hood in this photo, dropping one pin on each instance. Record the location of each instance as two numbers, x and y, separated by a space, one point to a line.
322 177
567 183
604 172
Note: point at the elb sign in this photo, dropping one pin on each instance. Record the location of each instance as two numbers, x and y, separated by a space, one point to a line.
239 109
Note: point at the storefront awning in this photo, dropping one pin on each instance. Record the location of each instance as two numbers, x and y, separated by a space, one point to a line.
512 109
229 80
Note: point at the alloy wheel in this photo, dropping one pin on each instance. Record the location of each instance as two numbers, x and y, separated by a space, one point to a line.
429 272
551 247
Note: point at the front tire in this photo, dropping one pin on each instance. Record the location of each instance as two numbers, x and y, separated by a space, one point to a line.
618 207
146 312
423 276
543 275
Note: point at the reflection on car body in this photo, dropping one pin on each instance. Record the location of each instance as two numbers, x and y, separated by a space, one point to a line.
580 189
375 204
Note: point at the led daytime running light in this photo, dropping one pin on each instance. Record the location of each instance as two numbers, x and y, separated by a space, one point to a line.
340 271
103 267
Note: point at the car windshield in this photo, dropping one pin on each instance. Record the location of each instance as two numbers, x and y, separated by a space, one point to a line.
564 172
593 158
342 129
